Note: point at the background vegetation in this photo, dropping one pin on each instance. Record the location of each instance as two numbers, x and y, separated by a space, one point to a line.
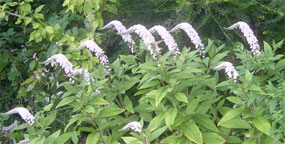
182 101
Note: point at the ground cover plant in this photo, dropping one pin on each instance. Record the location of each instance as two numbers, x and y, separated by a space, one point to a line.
64 88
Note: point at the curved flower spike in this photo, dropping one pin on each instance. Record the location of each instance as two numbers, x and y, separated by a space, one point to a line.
117 25
147 38
99 53
249 35
135 126
62 61
192 34
24 113
167 38
229 68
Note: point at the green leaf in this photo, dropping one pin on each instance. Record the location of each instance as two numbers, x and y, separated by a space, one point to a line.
192 106
63 138
27 20
170 117
156 122
132 140
149 84
272 105
282 105
236 123
205 121
250 141
280 64
87 129
156 133
233 139
89 109
25 8
129 59
159 95
235 100
248 76
173 139
39 8
99 101
209 45
49 29
20 127
230 115
65 101
50 118
38 140
113 1
111 8
181 97
50 139
92 138
68 86
95 24
192 132
267 49
218 57
262 125
213 138
128 104
4 60
111 111
127 84
74 119
2 14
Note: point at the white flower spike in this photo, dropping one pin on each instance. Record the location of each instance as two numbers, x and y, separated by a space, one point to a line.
229 68
147 38
24 113
135 126
249 35
99 53
167 38
62 61
192 34
117 25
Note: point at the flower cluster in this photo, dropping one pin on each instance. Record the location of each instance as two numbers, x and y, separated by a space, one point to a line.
135 126
85 73
230 70
24 113
249 35
62 61
99 53
147 38
121 28
192 34
167 38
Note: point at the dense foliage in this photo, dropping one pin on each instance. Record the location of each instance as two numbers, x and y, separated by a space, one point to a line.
176 100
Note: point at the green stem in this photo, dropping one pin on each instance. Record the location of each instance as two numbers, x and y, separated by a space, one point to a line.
96 128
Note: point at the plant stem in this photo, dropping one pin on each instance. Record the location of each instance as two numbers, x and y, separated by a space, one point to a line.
96 128
145 140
